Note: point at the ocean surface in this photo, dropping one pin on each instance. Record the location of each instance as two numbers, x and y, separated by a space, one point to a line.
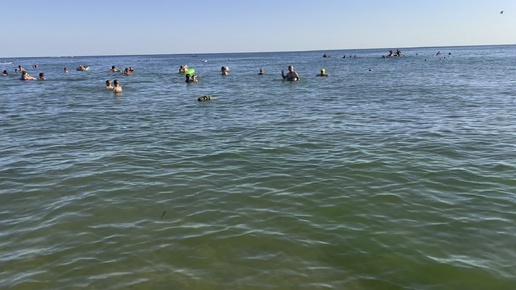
396 173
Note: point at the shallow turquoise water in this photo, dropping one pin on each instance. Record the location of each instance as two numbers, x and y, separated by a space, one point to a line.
389 174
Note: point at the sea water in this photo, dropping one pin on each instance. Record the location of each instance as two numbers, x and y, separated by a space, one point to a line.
395 173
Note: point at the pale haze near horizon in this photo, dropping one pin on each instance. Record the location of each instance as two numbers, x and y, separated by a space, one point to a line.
75 28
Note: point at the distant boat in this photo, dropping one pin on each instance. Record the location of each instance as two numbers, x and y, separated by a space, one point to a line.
6 62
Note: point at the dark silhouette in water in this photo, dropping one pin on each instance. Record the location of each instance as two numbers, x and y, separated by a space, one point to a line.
204 98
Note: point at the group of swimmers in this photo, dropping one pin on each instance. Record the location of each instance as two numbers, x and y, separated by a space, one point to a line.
25 76
392 53
292 75
127 70
115 87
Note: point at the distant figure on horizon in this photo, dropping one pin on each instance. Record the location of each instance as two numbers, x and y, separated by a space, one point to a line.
117 87
292 75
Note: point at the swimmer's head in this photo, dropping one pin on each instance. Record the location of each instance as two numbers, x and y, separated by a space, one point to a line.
323 71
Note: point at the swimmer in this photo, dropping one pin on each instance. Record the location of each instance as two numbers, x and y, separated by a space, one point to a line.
183 68
26 77
117 88
5 73
114 69
41 76
65 70
292 75
322 74
127 71
204 98
262 72
224 70
109 86
190 78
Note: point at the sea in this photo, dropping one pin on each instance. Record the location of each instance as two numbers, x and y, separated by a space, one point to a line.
389 173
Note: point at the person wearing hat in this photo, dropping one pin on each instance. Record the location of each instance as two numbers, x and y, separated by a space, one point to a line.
322 74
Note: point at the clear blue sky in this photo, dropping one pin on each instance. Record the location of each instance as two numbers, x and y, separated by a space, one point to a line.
118 27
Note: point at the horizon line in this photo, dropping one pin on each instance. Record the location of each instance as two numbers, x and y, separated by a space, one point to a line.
243 52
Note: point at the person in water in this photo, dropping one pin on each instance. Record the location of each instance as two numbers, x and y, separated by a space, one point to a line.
190 78
292 75
322 74
26 77
127 71
114 69
41 76
262 72
5 73
117 87
224 70
183 68
204 98
65 70
109 86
